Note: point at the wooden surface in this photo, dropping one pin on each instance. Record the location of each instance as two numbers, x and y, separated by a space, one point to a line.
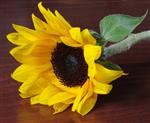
129 101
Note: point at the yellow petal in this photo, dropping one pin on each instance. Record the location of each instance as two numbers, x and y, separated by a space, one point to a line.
21 55
42 82
60 17
70 42
76 34
50 18
60 107
91 53
25 32
101 88
41 51
47 15
24 95
18 74
34 85
106 75
34 100
81 94
69 101
38 23
84 108
28 89
24 50
72 90
31 60
87 105
59 25
24 71
87 37
56 23
59 97
47 93
43 48
17 39
30 34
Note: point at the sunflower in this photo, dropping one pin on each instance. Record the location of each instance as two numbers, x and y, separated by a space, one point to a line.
58 65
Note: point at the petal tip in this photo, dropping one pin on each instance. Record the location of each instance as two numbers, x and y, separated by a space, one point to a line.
40 4
125 74
11 52
33 15
15 26
8 36
12 75
56 12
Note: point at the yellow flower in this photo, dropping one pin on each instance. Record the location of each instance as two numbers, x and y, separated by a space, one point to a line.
58 64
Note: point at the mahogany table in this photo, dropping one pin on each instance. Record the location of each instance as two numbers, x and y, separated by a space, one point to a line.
129 101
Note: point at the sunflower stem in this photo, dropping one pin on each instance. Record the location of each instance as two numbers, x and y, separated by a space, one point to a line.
126 44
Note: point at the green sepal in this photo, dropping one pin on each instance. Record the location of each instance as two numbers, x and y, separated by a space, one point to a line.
95 34
109 64
101 42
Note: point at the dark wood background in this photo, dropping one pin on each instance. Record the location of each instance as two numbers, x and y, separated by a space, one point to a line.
129 101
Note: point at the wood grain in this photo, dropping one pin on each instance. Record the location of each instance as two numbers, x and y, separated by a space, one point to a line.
129 101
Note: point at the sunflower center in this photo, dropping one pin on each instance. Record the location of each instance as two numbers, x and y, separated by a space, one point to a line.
69 65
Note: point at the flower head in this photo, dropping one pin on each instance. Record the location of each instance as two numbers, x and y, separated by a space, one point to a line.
58 64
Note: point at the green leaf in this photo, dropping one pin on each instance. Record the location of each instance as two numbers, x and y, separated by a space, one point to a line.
116 27
109 65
